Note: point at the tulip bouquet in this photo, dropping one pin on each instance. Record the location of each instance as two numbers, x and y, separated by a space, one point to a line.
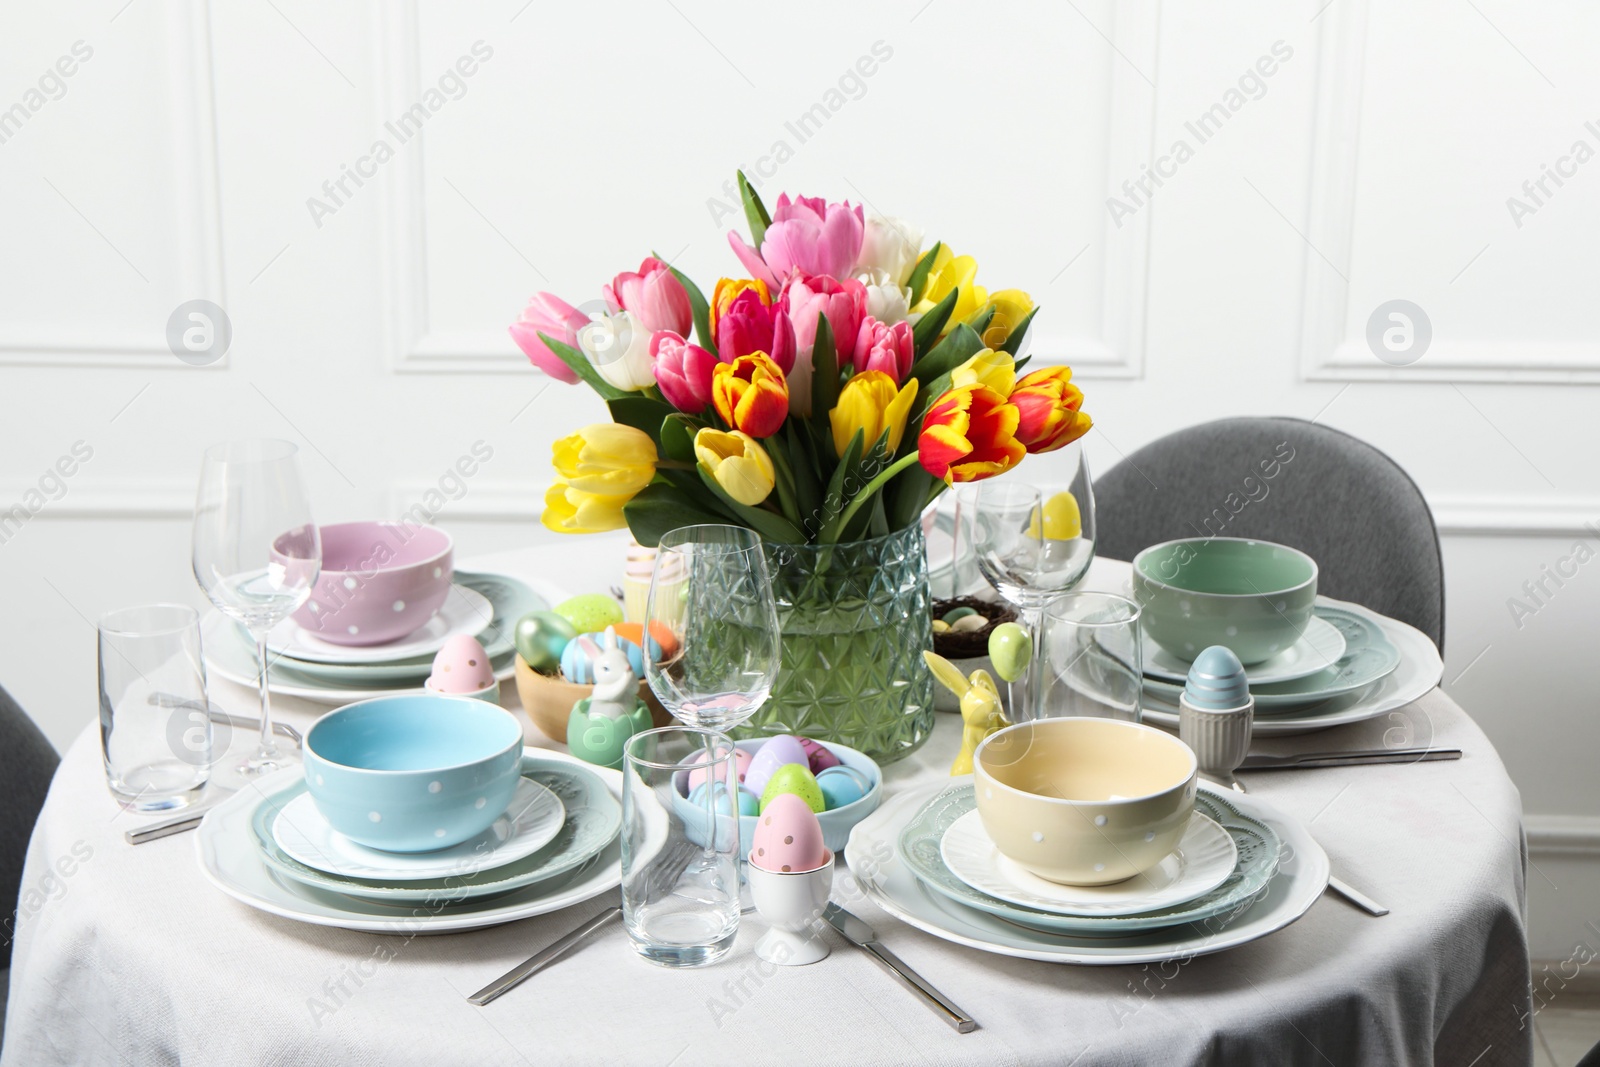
828 397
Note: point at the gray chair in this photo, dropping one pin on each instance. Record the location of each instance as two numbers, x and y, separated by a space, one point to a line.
1331 495
27 763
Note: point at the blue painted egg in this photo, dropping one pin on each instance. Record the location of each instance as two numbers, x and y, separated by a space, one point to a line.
842 785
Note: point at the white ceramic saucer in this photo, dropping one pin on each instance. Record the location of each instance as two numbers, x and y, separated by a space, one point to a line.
1203 860
1319 648
464 611
532 821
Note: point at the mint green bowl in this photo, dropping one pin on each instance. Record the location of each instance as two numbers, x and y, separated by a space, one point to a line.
1255 597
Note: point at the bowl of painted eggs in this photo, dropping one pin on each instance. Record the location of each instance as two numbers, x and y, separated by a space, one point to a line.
556 651
841 785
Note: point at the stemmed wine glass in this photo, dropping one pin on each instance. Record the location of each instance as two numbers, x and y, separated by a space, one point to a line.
1032 545
712 593
256 552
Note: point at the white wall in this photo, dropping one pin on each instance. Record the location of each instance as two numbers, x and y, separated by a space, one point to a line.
1376 164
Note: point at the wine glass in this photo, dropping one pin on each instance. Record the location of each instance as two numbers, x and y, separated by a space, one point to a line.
1032 545
256 552
712 593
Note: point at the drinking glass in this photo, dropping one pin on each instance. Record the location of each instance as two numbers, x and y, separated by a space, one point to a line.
712 593
680 851
1092 664
155 733
256 552
1032 545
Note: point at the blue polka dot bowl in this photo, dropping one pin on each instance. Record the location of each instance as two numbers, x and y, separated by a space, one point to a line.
413 773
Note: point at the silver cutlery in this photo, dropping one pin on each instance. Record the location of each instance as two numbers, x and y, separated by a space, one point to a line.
1356 897
216 714
1262 762
859 934
176 825
543 958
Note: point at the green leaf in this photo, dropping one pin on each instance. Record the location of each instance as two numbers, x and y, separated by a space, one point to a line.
807 490
771 527
660 507
959 345
919 274
755 212
824 376
1014 340
910 495
1019 364
677 437
698 306
981 318
583 368
926 332
640 412
833 503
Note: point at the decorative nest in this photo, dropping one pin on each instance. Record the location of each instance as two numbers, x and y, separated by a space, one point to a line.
974 643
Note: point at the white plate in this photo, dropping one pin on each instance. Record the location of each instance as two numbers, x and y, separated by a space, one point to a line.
464 611
1321 646
530 823
228 658
1419 671
1204 858
231 860
1302 876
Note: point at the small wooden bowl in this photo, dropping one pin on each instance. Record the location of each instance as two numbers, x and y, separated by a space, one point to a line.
548 701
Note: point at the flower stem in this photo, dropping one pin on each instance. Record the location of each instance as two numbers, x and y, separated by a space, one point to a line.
831 534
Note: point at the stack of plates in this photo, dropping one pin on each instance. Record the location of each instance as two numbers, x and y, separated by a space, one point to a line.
1241 871
1351 664
556 846
485 606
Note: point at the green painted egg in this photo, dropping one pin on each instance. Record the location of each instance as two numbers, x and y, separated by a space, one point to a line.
797 779
590 612
1011 649
958 613
541 637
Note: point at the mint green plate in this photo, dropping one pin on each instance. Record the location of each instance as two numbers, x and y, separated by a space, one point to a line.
1259 848
593 818
1368 657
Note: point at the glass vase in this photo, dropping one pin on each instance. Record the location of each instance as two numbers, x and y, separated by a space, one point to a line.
855 620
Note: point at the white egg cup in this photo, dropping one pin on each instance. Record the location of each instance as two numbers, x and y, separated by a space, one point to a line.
489 693
792 902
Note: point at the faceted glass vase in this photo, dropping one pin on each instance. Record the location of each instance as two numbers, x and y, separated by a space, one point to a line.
855 620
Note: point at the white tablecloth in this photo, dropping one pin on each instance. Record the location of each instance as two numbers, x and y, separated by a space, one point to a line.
127 955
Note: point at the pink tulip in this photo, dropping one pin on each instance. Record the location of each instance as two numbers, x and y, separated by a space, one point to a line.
548 314
804 297
885 348
808 235
751 326
683 371
656 298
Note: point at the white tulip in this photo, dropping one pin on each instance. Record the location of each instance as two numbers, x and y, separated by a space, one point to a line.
887 302
618 346
891 246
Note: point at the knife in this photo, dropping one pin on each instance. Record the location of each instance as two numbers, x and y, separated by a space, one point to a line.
859 934
1262 762
542 959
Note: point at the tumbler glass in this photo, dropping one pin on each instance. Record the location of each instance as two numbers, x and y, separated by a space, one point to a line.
680 845
1092 664
155 732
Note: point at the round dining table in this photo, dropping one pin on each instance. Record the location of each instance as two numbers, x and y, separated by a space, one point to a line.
125 954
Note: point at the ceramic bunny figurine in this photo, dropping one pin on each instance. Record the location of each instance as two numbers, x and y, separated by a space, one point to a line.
981 713
602 722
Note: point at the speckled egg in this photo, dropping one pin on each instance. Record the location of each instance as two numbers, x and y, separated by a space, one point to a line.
590 613
794 779
777 751
788 837
462 666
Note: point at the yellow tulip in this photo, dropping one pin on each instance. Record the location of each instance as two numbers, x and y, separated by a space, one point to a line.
871 402
737 462
606 459
950 271
1011 306
572 511
997 370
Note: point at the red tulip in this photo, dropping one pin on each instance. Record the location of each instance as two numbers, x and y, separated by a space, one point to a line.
744 320
1047 403
969 435
750 394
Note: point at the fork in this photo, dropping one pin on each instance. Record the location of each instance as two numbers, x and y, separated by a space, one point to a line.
658 880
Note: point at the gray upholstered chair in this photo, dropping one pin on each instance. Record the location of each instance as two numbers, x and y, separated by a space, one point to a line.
1324 492
27 763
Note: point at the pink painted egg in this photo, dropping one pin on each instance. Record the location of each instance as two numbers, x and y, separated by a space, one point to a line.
462 666
788 837
741 766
